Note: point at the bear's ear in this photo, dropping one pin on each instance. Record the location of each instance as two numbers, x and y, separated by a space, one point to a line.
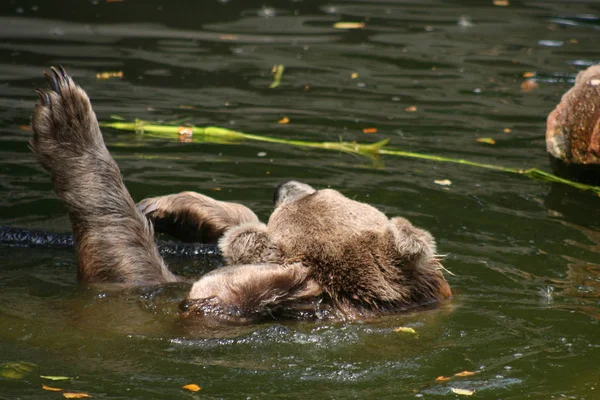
291 191
411 243
416 247
247 244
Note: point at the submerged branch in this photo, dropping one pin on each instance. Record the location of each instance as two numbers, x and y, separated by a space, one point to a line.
215 134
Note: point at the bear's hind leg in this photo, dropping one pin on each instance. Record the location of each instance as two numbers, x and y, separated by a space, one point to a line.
114 241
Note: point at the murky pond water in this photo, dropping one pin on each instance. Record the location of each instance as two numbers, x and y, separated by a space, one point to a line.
433 76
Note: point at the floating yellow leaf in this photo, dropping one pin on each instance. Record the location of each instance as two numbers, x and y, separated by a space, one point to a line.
16 370
411 109
506 130
76 395
406 330
56 378
528 74
284 120
574 41
51 389
442 378
349 25
501 3
486 140
443 182
108 75
463 392
228 37
25 127
192 387
370 130
354 75
465 373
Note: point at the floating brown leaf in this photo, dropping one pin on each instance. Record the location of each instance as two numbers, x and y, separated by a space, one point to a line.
370 130
192 387
506 130
76 395
284 120
501 3
185 131
411 109
185 134
486 140
465 373
528 74
442 378
51 389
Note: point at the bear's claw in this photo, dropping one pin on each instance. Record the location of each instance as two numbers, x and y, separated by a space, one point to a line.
44 97
57 77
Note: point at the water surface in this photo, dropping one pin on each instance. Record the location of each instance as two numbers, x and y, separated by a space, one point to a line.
525 254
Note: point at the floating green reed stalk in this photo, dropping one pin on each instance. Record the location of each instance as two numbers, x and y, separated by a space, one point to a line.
215 134
277 74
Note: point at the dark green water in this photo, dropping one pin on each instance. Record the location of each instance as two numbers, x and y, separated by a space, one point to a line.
526 254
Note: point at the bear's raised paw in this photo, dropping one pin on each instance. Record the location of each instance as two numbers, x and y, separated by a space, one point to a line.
63 121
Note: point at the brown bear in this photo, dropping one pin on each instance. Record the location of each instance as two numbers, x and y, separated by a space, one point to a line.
320 254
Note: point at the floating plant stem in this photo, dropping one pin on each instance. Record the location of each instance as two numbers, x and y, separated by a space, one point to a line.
216 134
277 74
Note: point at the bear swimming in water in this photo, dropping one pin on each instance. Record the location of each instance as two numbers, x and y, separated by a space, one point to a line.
321 254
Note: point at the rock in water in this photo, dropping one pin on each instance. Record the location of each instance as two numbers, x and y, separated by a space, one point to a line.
573 129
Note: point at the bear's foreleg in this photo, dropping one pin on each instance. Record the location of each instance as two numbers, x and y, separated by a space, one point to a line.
114 241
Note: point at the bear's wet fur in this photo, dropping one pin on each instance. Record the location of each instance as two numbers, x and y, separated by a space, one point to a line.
320 255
